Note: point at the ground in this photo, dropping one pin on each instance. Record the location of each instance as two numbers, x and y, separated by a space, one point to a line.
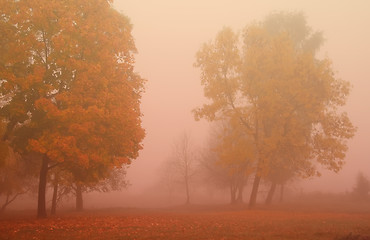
190 223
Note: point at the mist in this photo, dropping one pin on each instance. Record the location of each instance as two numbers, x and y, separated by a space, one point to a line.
168 34
166 119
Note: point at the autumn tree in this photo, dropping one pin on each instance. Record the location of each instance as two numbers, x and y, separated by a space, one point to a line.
228 160
278 176
236 155
286 98
67 77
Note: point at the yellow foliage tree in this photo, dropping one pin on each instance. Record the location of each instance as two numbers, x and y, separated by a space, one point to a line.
235 153
287 99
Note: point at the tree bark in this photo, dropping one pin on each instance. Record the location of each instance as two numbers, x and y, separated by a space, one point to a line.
41 204
270 194
79 199
253 198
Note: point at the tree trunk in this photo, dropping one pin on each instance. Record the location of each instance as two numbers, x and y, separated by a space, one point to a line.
41 204
281 193
55 195
232 193
270 194
79 200
257 177
187 191
253 198
239 199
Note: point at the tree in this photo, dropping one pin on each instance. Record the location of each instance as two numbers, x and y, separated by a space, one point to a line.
228 161
169 178
72 93
115 181
65 185
182 163
15 179
55 185
362 187
278 175
286 98
212 172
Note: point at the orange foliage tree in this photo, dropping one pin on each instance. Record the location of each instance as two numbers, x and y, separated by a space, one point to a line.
287 100
69 86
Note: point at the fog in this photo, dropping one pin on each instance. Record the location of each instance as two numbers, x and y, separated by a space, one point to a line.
167 35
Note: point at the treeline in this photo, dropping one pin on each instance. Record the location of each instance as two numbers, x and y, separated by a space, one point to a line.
221 171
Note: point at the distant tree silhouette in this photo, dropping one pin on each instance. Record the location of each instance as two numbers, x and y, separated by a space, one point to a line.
362 187
182 162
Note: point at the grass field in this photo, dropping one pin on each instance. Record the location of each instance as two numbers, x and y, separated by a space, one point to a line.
194 223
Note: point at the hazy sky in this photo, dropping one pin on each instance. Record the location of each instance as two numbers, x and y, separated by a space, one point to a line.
168 33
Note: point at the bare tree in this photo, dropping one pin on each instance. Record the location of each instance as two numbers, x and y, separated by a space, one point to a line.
15 179
169 178
183 161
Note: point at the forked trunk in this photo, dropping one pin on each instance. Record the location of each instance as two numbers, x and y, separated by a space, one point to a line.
187 192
